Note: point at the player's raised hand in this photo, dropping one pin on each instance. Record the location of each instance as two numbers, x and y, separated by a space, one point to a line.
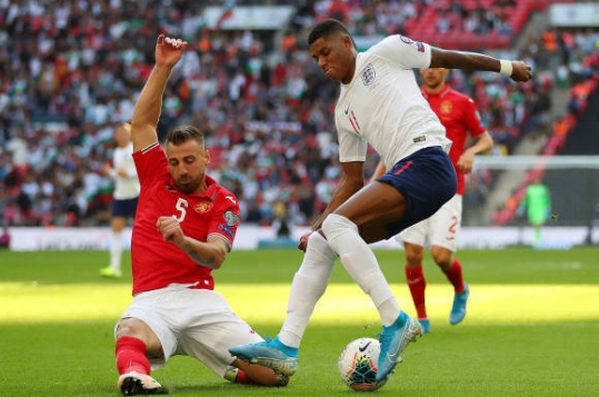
170 229
169 50
521 71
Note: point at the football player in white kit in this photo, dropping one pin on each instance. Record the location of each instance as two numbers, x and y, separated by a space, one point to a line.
126 192
380 104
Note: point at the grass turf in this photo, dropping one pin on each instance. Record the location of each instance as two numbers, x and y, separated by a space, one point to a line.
532 327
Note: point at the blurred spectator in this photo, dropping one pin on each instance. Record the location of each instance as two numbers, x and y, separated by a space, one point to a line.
5 237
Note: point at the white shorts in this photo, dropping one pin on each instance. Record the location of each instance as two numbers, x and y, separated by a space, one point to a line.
191 322
441 229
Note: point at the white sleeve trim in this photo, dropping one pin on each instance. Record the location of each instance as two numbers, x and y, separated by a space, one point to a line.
149 147
352 159
222 237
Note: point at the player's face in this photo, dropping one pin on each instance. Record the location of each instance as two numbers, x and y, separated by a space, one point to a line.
434 77
334 55
187 165
122 136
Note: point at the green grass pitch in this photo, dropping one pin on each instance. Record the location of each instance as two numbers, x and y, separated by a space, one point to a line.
532 327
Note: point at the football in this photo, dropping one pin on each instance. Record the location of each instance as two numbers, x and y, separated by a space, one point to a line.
358 364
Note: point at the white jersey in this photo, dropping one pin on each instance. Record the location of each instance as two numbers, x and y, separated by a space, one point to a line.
126 187
383 105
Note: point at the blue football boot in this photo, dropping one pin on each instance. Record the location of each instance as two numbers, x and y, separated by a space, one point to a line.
425 324
272 354
458 311
394 340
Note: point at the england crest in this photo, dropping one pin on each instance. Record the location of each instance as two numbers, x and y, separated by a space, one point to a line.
368 74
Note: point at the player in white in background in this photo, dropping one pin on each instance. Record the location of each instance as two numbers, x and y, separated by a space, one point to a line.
459 116
126 192
380 103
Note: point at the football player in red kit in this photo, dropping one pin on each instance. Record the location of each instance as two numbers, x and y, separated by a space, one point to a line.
184 229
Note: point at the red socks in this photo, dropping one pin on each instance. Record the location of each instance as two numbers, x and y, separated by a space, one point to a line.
131 356
243 378
454 275
417 284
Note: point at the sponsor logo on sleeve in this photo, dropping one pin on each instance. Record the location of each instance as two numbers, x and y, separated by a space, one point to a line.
420 46
231 218
224 228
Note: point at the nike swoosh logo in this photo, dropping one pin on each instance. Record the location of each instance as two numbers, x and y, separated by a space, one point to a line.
346 111
392 357
364 348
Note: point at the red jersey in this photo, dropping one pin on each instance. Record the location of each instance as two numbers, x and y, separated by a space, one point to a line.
459 115
156 263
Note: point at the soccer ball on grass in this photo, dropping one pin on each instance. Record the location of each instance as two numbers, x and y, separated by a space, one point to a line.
358 364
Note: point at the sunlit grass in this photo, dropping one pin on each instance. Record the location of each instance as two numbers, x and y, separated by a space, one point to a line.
531 329
342 303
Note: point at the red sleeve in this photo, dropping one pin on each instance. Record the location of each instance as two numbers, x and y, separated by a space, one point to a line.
225 219
474 124
150 163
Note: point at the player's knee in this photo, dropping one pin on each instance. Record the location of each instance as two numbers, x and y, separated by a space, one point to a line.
317 242
442 257
414 256
319 245
130 327
335 224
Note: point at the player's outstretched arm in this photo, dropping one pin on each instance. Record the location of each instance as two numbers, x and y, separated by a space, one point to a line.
517 70
147 110
211 254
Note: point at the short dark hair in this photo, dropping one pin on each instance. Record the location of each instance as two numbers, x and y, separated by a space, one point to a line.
183 134
327 28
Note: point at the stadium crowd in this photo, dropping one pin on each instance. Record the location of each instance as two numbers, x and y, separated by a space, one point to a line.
71 70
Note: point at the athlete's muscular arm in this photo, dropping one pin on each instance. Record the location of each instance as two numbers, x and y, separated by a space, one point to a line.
147 110
351 181
449 59
483 142
211 254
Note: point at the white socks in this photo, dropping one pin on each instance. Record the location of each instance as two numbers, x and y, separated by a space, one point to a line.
116 250
359 261
309 283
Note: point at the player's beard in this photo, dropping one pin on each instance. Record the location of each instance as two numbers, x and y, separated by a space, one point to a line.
189 186
433 84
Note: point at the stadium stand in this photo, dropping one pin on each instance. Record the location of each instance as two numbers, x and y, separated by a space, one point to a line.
75 69
579 57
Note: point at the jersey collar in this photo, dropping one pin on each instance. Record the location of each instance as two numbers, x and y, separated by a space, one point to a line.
210 192
441 94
